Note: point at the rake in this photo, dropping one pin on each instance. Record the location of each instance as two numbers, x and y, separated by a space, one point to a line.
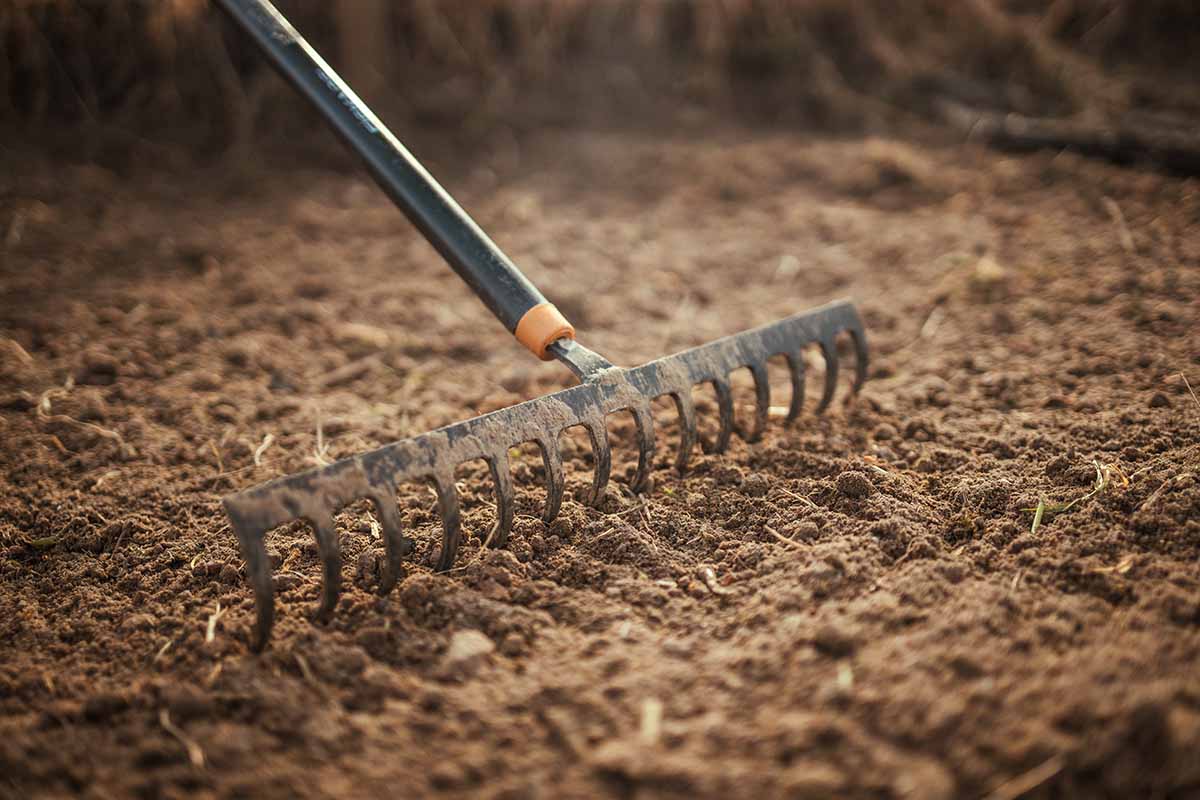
317 494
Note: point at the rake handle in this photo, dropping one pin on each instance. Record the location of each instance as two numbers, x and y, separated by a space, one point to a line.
507 293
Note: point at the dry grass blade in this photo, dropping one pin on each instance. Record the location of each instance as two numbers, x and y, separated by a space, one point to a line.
267 441
710 580
779 537
162 651
1186 383
44 413
195 754
1037 514
807 501
210 630
1104 476
320 455
1023 784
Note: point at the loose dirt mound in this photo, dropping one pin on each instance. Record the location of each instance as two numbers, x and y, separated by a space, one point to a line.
857 606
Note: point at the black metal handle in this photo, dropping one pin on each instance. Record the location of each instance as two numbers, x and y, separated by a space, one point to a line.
476 258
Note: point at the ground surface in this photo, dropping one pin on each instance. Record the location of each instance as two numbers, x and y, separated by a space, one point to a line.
879 621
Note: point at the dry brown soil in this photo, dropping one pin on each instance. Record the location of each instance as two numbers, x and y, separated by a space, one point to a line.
856 606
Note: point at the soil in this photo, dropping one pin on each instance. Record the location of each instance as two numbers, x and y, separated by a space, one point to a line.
859 605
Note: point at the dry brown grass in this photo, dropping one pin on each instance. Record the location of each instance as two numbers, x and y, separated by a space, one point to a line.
839 62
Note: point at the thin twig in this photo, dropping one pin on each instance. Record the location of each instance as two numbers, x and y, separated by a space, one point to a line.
799 497
780 537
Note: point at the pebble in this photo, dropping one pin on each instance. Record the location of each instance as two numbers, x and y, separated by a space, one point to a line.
467 652
229 574
833 641
755 485
513 644
98 369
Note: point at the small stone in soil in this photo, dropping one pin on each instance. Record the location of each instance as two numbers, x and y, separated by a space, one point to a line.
755 485
467 652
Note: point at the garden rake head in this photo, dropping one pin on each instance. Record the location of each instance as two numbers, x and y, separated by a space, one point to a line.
316 495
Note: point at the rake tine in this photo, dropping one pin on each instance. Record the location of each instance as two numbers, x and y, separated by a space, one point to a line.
645 437
602 454
725 404
258 571
762 403
555 480
331 566
505 502
796 370
860 356
829 351
451 520
687 428
395 544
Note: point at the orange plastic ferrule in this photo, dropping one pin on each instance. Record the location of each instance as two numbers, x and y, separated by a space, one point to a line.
542 326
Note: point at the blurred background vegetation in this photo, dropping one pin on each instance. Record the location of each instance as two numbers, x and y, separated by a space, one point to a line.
104 76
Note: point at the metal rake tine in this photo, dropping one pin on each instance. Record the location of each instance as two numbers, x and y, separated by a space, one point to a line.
725 405
258 571
762 403
602 455
861 356
645 438
556 481
829 351
505 500
331 566
796 369
395 544
687 428
451 520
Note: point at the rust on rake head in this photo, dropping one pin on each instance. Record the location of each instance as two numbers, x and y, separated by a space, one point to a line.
316 495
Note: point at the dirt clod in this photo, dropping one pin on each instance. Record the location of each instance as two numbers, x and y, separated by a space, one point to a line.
854 485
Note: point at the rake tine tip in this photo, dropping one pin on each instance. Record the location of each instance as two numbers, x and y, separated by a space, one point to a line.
829 351
602 455
331 567
645 436
687 429
555 479
725 407
505 501
451 521
396 546
762 402
258 573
